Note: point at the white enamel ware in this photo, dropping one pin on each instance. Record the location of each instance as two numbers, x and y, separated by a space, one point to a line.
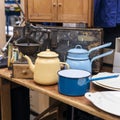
108 101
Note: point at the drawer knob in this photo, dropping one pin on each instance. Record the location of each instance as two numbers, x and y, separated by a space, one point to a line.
24 72
60 4
54 4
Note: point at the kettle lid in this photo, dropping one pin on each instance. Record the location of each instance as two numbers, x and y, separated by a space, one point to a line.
47 53
78 49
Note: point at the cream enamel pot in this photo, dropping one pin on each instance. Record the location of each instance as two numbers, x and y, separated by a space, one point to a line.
46 66
73 82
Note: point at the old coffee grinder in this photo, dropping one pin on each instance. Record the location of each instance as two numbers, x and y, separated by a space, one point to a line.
30 40
33 40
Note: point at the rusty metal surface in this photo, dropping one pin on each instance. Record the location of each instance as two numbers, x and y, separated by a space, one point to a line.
62 39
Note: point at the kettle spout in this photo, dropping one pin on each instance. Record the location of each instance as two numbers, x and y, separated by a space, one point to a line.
31 65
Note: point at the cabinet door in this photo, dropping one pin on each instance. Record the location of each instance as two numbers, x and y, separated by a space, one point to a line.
41 10
75 10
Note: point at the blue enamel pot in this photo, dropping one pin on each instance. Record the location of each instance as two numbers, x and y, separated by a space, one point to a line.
79 58
73 82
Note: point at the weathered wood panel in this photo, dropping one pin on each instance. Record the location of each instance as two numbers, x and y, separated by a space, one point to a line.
2 24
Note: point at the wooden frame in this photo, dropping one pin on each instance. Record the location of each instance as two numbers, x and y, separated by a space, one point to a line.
2 24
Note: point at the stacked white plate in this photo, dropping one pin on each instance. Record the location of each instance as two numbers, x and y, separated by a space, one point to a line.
108 101
112 83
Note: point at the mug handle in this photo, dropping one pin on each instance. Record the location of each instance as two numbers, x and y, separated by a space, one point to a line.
64 64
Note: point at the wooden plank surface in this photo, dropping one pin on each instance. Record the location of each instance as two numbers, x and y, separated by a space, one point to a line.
79 102
5 100
2 24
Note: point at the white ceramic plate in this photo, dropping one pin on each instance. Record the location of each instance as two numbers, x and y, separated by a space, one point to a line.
108 101
112 83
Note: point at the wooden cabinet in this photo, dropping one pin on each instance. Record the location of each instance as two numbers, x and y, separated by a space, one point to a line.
72 11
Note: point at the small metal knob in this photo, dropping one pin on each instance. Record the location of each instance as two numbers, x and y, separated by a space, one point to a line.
24 72
59 4
54 4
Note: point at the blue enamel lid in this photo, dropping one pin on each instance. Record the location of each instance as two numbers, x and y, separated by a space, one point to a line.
78 49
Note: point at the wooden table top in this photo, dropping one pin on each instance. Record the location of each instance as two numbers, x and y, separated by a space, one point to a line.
79 102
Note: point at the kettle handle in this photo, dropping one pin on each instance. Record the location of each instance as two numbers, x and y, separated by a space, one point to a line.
66 64
99 47
102 55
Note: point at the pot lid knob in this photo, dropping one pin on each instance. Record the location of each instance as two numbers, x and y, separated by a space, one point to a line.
47 53
78 49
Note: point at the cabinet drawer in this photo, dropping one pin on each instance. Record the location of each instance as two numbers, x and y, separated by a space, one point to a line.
21 71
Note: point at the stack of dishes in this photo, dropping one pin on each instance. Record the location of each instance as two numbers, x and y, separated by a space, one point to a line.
111 84
108 101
